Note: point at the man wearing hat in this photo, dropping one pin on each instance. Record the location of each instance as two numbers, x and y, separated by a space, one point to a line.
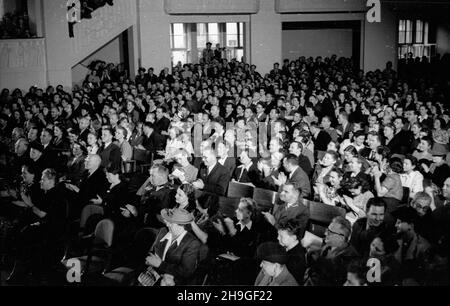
413 249
438 170
273 272
175 250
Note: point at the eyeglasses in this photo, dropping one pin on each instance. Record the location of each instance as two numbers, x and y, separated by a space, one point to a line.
328 231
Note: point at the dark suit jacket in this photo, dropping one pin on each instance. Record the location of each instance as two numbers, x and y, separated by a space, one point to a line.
345 132
151 204
111 155
161 125
181 260
91 186
242 175
297 211
305 164
75 170
155 142
301 180
217 181
230 165
322 141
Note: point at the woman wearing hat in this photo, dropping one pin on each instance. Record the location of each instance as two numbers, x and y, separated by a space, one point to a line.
273 272
438 170
175 250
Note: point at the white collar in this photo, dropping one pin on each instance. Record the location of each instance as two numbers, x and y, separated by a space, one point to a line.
246 167
292 173
248 225
107 144
169 237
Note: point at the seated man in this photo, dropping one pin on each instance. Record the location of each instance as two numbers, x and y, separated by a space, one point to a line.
297 176
366 229
414 249
291 208
214 178
156 193
289 231
328 265
274 271
188 171
175 251
243 172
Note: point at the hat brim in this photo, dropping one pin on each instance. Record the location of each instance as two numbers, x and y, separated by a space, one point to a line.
170 219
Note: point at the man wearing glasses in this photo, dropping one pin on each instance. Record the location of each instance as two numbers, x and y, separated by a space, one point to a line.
327 266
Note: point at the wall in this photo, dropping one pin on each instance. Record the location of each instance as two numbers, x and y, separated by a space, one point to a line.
323 42
211 6
265 37
154 35
315 6
443 38
64 52
22 63
380 41
111 53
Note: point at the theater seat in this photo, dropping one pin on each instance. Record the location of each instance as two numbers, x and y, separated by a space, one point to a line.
321 216
239 190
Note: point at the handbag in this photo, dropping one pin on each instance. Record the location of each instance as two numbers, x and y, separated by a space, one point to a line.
148 278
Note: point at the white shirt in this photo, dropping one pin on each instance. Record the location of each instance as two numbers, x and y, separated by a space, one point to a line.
169 238
414 181
292 173
211 168
248 225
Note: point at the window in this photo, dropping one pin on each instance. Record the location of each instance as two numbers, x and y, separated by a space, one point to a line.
414 38
179 43
207 32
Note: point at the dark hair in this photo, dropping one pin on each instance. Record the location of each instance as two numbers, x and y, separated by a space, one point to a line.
351 149
390 243
396 165
291 159
209 202
292 226
428 139
441 122
189 190
412 158
50 174
113 169
384 151
359 268
375 202
356 182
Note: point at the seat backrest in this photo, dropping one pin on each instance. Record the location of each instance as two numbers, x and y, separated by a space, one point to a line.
88 211
105 231
228 206
266 195
238 190
322 213
405 199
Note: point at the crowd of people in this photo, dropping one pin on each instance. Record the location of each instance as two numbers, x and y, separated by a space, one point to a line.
15 25
311 129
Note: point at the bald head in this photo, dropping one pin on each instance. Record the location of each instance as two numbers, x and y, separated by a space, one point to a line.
92 162
21 146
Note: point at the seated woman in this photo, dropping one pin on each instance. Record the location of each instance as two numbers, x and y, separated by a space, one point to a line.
75 166
125 147
174 143
202 226
45 232
360 195
114 200
240 239
347 156
185 197
383 248
328 192
390 189
357 168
